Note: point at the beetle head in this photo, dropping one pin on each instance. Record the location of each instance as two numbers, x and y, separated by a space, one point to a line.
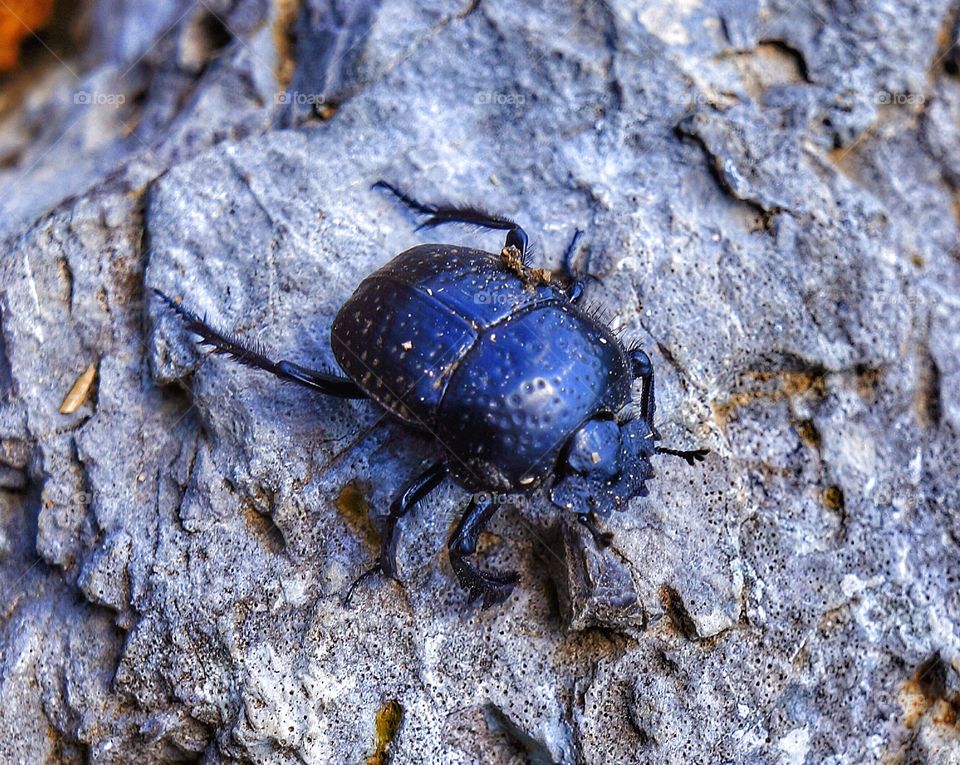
604 465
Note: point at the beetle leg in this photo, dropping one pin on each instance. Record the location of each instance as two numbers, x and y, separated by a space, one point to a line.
643 371
691 456
576 283
492 587
219 342
601 539
438 214
569 252
402 503
575 277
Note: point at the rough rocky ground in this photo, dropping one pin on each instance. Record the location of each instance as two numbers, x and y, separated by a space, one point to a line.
770 195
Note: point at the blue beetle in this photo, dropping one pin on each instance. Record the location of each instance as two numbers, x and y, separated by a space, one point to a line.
519 385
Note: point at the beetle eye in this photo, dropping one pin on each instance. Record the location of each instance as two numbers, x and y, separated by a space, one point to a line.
595 449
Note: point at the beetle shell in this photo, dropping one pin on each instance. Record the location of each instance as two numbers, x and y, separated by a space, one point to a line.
501 371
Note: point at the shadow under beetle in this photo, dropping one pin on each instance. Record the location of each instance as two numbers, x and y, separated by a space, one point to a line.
518 384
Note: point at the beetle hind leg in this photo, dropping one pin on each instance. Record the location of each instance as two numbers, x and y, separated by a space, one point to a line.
220 342
492 587
438 214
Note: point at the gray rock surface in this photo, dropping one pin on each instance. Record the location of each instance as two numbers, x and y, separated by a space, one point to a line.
770 192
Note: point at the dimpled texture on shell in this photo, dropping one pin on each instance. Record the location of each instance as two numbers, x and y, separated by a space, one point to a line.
500 371
472 283
400 345
404 329
521 392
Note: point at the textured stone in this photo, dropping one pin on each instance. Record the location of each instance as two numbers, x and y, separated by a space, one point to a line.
769 195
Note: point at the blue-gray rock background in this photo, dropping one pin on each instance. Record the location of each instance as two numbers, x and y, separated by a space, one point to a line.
771 198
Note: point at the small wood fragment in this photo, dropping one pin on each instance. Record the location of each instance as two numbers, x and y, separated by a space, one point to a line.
80 390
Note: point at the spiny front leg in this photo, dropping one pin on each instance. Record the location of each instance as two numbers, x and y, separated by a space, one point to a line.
691 455
643 370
